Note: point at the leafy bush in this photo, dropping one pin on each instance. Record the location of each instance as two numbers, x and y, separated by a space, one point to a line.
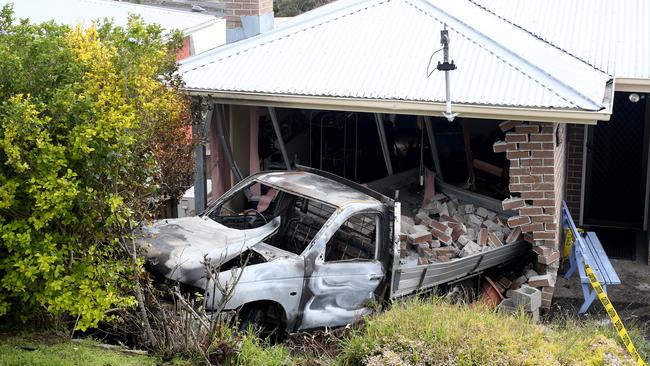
87 120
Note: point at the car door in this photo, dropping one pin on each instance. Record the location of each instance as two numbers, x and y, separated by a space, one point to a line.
346 274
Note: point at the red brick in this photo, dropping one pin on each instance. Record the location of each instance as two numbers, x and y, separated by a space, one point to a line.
543 235
530 179
508 125
548 259
519 171
537 226
518 221
542 218
530 146
515 235
502 146
531 162
441 236
516 154
542 154
541 137
516 137
542 170
494 240
512 203
532 195
542 186
482 236
441 227
550 178
531 211
527 129
519 187
541 281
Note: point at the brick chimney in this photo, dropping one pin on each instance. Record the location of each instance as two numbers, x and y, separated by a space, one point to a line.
247 18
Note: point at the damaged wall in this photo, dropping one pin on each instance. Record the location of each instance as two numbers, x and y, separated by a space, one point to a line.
536 152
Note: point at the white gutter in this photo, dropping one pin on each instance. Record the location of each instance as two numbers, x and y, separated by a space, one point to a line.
188 31
633 85
409 107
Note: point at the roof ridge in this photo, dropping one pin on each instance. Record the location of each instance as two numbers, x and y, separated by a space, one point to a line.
539 37
517 55
491 52
296 22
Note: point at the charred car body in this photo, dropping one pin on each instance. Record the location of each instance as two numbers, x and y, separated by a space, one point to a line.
318 249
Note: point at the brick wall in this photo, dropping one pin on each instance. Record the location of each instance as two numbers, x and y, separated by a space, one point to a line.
536 152
237 8
574 154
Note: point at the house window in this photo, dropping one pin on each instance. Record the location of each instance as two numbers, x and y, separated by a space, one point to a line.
356 239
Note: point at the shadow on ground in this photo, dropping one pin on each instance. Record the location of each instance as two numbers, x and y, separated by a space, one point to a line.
631 298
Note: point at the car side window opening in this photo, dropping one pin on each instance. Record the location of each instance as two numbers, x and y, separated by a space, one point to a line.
356 239
300 218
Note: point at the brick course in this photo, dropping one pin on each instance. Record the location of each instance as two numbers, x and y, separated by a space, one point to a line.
234 9
574 155
537 177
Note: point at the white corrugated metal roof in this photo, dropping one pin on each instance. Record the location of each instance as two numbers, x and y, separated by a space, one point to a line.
379 50
612 35
73 12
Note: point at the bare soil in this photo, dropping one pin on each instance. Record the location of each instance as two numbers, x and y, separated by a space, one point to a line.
631 298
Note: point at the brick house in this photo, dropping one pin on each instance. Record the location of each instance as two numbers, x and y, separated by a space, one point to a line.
607 164
349 88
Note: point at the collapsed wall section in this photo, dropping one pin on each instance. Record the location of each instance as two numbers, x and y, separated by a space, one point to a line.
536 152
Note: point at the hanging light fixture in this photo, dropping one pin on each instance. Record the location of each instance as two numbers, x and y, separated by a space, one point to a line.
446 66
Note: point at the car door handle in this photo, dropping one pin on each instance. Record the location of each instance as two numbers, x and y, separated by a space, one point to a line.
375 277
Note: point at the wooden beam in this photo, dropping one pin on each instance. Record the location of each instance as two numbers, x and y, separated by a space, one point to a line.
488 168
468 154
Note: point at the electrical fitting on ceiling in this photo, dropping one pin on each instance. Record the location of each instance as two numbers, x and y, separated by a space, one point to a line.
445 66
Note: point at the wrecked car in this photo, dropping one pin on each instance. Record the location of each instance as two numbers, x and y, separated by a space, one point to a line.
299 250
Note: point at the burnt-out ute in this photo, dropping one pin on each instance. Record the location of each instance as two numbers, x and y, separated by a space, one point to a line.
300 249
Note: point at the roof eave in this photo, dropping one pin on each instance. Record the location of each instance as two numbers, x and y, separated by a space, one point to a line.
404 107
638 85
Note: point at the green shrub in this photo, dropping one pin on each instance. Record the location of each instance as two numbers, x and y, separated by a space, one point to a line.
82 116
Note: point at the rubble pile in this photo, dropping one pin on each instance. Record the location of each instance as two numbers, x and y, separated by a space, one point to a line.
444 229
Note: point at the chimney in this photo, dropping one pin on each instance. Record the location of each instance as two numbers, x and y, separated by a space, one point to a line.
247 18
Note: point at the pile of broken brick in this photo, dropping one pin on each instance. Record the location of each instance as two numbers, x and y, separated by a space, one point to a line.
445 228
523 293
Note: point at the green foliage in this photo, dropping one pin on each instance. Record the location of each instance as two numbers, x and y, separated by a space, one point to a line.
85 118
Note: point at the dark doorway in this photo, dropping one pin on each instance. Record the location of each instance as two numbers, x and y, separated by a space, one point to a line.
616 168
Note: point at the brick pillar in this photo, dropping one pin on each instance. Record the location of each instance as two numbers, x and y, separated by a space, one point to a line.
536 152
574 155
235 9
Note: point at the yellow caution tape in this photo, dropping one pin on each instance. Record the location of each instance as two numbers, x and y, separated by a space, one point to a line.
568 242
613 316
